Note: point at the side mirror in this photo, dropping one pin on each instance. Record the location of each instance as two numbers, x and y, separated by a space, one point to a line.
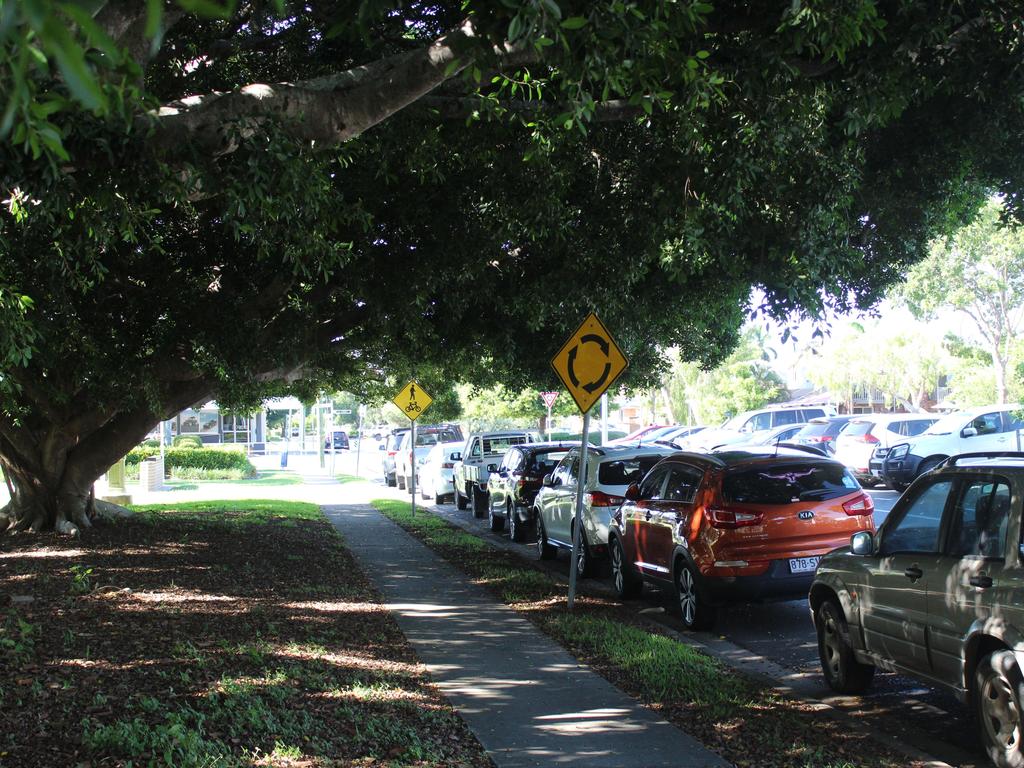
968 432
548 481
862 543
633 492
492 467
456 456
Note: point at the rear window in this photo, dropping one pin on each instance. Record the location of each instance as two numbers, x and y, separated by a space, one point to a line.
814 428
545 462
813 413
395 441
858 428
625 471
788 483
503 443
435 436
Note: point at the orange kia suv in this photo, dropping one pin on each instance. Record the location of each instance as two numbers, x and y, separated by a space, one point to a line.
734 525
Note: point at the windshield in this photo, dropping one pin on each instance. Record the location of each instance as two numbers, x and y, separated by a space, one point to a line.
789 483
735 422
951 423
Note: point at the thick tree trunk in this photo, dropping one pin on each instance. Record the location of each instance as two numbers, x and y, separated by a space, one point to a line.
52 467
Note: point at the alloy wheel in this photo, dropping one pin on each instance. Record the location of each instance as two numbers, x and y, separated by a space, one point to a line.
687 596
831 643
1001 717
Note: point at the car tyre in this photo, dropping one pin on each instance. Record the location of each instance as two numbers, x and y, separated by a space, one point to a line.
626 580
496 522
515 527
898 487
544 550
694 609
391 480
439 498
401 481
461 502
479 501
928 465
423 490
843 673
584 562
997 697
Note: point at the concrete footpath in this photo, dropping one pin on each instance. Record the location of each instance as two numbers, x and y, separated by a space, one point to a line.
526 699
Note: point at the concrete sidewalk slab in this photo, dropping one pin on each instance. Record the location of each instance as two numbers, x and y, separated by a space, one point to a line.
526 699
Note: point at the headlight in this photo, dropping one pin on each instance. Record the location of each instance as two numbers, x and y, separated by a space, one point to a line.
899 451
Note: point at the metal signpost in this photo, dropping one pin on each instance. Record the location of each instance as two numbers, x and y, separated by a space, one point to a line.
412 401
359 436
587 364
549 400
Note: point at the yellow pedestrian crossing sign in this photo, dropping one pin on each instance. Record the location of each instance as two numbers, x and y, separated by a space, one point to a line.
412 400
589 362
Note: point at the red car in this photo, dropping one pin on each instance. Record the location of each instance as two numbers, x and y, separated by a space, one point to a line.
741 524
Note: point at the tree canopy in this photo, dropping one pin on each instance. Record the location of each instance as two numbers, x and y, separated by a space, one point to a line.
345 194
977 272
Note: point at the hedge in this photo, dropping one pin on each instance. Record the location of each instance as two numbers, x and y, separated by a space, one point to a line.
195 458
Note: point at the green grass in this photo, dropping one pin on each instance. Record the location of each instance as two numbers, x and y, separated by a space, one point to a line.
240 512
343 478
273 477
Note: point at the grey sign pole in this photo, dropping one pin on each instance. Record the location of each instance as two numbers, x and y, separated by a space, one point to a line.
359 438
412 461
581 481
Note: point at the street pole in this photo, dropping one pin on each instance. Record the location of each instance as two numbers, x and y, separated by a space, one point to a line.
548 422
359 437
412 461
604 418
581 481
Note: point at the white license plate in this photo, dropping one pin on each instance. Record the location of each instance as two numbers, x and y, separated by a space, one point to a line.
803 564
876 472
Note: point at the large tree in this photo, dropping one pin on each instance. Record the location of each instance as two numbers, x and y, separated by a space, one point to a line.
197 207
978 273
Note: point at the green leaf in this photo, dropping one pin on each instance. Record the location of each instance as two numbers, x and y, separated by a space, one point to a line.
702 54
575 22
93 32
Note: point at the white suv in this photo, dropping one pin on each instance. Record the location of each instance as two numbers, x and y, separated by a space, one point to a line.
753 424
610 471
986 428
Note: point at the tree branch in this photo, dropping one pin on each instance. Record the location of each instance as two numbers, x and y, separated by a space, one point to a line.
326 110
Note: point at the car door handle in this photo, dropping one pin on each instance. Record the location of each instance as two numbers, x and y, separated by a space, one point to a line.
913 573
982 582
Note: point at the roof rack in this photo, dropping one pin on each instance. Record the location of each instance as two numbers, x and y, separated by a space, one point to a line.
953 460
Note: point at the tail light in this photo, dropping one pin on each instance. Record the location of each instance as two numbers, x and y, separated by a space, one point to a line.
859 505
867 438
598 499
448 465
733 518
391 453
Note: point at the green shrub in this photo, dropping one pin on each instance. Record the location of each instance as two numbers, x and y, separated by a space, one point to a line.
150 442
187 441
198 473
176 459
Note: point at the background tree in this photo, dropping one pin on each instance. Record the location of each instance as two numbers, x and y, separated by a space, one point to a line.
742 382
300 196
978 272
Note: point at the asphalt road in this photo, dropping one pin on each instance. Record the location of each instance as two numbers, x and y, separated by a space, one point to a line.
782 632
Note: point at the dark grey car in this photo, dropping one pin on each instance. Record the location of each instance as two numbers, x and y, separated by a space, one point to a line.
937 593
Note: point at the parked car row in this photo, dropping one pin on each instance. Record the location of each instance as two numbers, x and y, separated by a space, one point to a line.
936 592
